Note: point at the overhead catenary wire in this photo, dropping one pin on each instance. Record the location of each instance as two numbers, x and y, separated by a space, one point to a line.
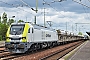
56 10
81 3
64 10
85 12
89 0
26 4
15 6
19 5
88 12
83 6
62 6
52 7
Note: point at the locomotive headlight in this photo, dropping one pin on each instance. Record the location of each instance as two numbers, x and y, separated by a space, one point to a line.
9 46
24 39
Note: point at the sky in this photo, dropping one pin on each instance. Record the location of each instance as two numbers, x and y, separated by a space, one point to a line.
64 14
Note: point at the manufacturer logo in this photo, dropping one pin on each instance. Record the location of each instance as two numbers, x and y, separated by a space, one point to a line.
48 35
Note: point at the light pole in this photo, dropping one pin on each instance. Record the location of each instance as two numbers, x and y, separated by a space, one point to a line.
66 26
32 8
36 10
44 17
44 2
72 29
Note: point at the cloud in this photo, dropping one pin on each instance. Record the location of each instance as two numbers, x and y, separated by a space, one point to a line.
69 5
52 15
68 11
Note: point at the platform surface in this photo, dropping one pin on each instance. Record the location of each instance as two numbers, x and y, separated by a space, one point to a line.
83 53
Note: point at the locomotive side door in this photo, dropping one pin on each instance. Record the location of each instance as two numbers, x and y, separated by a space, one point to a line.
30 34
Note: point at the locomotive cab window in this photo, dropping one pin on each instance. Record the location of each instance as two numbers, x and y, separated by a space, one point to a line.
17 29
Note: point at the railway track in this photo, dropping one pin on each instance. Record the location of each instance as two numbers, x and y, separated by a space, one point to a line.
5 55
3 52
59 54
2 49
45 54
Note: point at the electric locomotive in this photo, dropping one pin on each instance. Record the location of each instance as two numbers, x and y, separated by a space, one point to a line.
22 37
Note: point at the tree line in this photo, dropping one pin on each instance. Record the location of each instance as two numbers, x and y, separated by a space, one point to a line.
4 24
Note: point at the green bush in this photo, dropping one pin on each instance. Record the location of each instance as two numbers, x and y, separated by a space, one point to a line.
3 30
0 38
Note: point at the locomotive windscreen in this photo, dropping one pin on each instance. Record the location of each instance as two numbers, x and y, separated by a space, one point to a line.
17 29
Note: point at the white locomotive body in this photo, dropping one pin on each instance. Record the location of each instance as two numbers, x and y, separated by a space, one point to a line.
24 36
